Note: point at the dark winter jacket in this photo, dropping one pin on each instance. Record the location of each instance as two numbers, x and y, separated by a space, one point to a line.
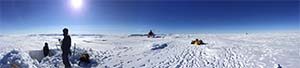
66 44
46 50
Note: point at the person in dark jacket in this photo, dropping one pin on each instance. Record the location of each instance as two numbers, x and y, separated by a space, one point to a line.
65 47
46 49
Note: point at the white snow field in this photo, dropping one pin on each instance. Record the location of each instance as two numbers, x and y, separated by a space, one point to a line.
254 50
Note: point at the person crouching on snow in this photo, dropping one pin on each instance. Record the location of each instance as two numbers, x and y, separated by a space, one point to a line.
65 47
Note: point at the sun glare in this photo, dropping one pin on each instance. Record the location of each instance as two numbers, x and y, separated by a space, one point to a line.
76 4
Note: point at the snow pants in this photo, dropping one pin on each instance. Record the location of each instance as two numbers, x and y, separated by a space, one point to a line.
65 59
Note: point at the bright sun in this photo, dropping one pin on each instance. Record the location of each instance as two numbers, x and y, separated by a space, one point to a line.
76 4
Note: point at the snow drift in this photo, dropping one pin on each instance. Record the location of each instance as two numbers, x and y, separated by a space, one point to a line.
17 59
158 46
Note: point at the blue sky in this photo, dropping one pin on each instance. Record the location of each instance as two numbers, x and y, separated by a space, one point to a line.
137 16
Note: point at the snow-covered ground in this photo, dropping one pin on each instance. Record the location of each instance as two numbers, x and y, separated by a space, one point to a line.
257 50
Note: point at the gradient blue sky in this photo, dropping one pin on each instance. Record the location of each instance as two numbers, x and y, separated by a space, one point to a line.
137 16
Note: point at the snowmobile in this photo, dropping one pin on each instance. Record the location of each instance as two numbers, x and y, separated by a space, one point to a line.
151 34
198 42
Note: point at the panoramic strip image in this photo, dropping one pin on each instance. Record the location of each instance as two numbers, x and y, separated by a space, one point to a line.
149 33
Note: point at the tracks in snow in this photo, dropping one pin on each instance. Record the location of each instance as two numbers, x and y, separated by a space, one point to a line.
178 54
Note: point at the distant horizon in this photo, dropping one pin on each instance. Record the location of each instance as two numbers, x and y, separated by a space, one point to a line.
134 16
158 32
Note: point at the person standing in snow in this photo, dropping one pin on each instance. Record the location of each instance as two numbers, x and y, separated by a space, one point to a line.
65 47
46 49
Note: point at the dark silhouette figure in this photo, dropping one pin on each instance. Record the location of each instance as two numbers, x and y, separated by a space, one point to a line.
279 66
151 34
65 47
46 49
